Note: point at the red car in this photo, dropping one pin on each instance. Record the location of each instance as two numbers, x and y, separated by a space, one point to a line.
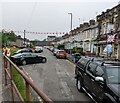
61 54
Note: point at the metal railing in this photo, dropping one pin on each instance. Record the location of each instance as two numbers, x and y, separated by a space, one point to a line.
8 66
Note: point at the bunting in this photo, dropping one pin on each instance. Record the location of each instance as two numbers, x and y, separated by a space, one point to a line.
33 32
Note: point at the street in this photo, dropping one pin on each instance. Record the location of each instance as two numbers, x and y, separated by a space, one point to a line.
55 78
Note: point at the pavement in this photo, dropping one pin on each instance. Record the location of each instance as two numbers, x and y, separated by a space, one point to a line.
0 77
4 90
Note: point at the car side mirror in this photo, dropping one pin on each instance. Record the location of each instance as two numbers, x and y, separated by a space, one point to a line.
99 79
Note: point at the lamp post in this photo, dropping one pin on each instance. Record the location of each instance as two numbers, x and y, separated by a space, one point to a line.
71 20
71 30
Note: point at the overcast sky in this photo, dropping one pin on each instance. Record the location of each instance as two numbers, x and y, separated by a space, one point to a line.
49 16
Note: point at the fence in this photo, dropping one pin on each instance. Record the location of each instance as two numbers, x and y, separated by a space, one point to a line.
8 66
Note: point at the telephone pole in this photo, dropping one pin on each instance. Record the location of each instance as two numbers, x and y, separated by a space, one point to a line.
24 38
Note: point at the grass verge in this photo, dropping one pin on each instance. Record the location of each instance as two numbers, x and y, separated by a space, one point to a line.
18 78
19 83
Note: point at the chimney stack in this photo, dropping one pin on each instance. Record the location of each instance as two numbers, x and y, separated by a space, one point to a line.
85 24
81 26
92 22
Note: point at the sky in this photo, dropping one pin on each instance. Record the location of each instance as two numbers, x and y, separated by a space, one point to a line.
49 15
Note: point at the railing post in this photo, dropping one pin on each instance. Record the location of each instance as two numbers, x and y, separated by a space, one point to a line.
27 91
12 92
5 66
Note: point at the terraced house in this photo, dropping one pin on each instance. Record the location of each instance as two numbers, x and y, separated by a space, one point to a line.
83 36
95 35
109 31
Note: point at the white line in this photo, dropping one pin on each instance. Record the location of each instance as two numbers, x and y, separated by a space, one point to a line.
70 62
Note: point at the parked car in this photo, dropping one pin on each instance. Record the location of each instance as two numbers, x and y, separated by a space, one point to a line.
27 58
24 50
55 51
38 49
61 54
76 57
100 80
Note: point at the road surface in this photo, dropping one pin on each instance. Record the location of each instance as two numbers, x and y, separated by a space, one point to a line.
55 78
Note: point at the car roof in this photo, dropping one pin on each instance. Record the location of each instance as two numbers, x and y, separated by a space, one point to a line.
103 61
107 62
25 53
23 49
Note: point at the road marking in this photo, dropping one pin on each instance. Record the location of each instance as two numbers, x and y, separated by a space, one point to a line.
70 62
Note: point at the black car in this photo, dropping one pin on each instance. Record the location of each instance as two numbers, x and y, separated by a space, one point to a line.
27 58
100 80
76 57
24 50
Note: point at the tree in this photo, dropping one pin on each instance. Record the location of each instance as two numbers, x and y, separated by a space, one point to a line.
12 36
8 37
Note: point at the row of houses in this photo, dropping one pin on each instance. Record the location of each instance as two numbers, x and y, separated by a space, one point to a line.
93 36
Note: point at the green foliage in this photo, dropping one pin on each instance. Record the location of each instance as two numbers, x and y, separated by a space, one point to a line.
19 83
0 37
13 50
77 50
60 46
8 37
12 36
18 78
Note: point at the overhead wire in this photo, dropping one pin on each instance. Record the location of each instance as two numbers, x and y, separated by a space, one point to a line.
31 15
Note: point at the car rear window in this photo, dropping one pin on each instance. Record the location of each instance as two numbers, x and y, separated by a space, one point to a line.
61 51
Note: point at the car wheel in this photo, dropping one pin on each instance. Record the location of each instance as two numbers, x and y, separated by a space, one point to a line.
24 62
79 84
43 60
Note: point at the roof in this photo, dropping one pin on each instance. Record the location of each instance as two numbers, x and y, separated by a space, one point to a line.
51 36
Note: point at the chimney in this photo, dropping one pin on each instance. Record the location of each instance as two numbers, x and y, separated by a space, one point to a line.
92 22
85 24
81 26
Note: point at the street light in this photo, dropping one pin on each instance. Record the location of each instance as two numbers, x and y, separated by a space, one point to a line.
71 19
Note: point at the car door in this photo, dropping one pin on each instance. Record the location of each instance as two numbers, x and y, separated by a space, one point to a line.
35 58
98 86
89 75
40 59
29 58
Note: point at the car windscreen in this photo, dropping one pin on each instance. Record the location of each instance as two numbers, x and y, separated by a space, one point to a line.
19 51
22 50
17 55
82 62
113 75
